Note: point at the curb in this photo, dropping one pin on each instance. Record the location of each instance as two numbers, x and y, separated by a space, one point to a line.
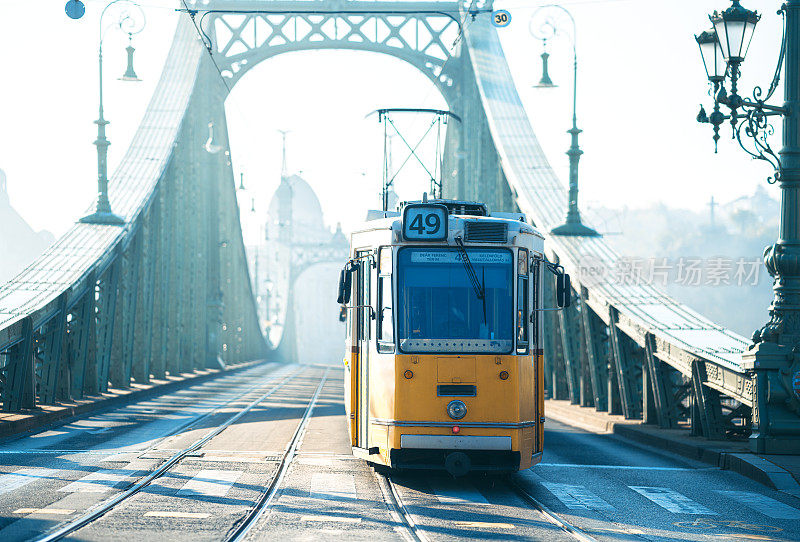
37 418
750 465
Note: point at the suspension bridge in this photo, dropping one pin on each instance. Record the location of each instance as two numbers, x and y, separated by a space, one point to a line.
168 290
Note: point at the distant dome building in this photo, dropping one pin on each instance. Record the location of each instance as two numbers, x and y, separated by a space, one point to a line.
295 271
295 207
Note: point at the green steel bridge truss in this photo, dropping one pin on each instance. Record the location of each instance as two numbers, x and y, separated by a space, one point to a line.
169 291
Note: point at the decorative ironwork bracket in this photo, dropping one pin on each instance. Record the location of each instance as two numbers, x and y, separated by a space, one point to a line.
754 119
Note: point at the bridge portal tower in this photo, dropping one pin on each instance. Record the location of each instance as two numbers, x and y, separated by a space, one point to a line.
428 35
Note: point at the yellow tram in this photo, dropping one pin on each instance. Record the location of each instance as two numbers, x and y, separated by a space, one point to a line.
444 361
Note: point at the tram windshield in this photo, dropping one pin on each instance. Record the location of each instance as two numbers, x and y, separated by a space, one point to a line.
440 310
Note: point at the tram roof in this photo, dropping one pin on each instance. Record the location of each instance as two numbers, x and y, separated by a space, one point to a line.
377 220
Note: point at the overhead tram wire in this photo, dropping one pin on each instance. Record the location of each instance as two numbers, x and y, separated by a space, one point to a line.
383 116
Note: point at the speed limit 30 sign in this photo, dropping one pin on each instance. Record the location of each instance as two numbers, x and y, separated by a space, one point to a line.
501 18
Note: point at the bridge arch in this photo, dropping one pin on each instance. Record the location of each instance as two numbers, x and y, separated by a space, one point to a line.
426 39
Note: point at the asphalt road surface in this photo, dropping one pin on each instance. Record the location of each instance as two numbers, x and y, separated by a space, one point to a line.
262 454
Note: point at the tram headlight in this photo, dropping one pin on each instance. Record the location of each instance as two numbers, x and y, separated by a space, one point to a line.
456 409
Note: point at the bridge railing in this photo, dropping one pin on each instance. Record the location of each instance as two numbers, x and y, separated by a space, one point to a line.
168 291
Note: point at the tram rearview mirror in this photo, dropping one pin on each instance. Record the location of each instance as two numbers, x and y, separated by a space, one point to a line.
345 283
563 292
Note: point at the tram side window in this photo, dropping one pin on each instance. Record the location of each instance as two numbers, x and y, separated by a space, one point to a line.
362 295
522 302
535 313
385 313
522 310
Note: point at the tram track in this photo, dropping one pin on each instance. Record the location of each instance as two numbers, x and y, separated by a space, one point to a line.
548 514
70 527
241 530
405 524
411 531
397 509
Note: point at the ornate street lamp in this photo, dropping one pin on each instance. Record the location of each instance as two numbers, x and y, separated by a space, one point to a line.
130 73
543 26
716 68
774 358
545 81
131 21
735 27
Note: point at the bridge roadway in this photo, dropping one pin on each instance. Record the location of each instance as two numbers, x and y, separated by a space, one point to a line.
273 439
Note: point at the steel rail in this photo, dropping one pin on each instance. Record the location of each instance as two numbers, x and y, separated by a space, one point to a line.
398 510
106 506
549 515
240 531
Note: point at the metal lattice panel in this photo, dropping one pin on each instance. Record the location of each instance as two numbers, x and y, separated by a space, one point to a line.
425 34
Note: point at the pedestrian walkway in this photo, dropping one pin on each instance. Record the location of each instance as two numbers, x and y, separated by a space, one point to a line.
13 423
781 472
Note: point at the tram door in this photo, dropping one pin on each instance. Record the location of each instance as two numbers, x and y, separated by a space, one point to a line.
537 352
363 322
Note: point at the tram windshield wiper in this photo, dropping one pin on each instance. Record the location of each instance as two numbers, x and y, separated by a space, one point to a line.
478 285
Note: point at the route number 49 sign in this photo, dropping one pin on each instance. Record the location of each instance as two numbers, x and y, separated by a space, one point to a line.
425 222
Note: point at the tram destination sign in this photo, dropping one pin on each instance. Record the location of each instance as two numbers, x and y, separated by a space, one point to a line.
425 222
450 256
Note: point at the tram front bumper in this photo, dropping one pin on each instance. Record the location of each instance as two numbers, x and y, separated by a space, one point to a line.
455 442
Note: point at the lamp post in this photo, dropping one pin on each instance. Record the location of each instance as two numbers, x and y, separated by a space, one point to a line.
774 358
131 22
544 26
